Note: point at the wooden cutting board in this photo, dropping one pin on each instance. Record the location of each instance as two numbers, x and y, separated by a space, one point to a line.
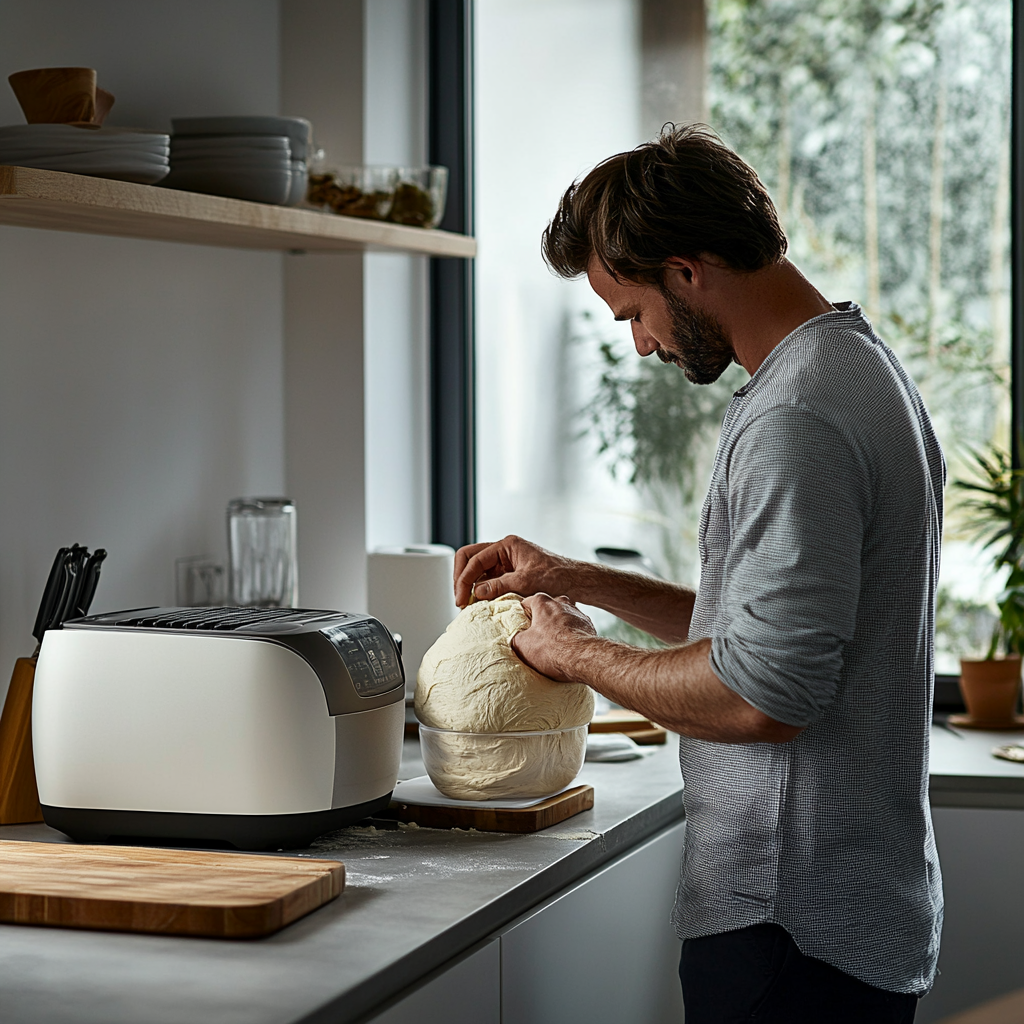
639 729
174 892
497 819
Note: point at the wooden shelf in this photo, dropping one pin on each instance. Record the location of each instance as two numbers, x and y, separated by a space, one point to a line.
74 202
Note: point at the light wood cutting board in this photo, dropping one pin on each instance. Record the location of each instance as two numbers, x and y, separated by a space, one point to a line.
174 892
639 729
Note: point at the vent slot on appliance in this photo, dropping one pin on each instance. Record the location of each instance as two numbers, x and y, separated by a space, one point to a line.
223 619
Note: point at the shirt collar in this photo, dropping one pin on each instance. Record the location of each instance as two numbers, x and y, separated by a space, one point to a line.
840 310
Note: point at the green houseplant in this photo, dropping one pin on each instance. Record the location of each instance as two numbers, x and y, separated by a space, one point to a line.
996 512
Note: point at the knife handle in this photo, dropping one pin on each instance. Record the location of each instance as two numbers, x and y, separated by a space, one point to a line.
73 562
90 581
51 593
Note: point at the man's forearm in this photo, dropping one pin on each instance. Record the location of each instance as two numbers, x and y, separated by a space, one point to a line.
656 606
675 688
515 566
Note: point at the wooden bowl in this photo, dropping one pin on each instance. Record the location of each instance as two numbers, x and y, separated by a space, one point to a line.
104 101
57 95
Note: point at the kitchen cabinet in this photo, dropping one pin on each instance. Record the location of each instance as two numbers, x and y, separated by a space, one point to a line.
602 951
978 813
980 853
466 992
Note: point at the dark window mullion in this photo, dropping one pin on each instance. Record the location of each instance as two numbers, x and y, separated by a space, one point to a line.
1017 235
450 143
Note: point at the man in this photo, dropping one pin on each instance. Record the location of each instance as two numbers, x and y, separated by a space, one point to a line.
799 675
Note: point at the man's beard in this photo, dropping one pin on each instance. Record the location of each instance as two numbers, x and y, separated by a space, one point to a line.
700 347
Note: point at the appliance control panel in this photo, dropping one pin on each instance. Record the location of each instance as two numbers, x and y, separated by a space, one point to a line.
369 654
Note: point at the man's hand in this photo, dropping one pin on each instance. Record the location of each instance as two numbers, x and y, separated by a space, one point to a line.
515 566
676 686
549 644
509 566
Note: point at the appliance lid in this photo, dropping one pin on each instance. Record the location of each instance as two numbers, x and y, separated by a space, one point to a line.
354 655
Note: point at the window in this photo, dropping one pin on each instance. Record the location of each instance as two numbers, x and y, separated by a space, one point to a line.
882 130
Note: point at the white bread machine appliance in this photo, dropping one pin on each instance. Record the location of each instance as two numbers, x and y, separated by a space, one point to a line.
261 727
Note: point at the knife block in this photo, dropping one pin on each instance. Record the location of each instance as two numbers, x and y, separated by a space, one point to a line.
19 798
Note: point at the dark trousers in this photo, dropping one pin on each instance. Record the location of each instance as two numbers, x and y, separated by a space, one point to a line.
758 974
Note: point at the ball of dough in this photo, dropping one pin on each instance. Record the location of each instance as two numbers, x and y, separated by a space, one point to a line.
472 681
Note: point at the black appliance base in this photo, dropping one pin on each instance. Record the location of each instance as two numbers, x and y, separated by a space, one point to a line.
243 831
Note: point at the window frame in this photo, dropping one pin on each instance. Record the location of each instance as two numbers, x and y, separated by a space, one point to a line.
452 380
452 383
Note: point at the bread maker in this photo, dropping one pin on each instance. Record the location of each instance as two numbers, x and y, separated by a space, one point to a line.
259 727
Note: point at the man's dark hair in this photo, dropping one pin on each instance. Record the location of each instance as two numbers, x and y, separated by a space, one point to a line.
684 194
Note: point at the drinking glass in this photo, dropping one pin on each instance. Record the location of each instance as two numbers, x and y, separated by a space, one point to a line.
263 555
199 582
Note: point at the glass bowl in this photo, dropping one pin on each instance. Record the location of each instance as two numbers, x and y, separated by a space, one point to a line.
419 196
502 765
402 195
354 191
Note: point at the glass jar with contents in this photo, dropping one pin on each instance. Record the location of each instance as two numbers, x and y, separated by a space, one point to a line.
263 553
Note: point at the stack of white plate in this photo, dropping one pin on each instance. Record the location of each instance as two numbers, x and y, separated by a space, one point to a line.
262 159
127 154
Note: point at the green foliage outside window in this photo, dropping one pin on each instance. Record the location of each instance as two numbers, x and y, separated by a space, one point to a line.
881 128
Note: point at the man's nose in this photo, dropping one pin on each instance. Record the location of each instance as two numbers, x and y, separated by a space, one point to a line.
644 341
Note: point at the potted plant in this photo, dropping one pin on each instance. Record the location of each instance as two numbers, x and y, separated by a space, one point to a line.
990 685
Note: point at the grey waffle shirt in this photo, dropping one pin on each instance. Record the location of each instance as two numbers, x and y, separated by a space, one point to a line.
819 545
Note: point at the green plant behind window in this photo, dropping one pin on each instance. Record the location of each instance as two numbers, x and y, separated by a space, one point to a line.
996 513
658 431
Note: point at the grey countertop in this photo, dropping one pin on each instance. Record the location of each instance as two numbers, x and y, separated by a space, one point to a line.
965 774
413 899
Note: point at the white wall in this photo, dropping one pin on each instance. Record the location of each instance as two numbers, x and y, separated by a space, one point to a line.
322 78
160 59
395 287
545 114
140 382
356 426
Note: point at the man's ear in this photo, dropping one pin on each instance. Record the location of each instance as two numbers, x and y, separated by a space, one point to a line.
684 273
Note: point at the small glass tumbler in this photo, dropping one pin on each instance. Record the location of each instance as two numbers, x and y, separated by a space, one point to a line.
199 582
263 553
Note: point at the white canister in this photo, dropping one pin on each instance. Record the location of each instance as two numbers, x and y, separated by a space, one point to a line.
412 592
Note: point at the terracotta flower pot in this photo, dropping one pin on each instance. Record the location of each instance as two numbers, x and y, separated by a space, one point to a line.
990 689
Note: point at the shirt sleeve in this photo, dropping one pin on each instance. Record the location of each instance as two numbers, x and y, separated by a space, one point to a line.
799 499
